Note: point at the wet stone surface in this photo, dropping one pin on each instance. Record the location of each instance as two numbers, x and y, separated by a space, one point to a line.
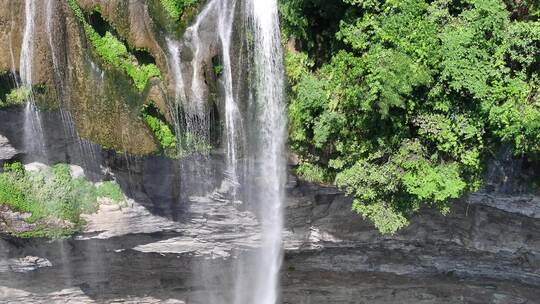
476 254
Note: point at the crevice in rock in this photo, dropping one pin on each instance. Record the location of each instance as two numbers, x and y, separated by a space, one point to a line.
143 56
8 82
100 25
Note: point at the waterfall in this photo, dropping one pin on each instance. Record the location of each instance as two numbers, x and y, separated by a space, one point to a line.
27 48
269 167
233 123
261 129
195 108
257 135
214 23
173 48
34 140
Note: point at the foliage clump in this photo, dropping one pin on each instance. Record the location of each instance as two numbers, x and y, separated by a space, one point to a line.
16 96
410 97
163 133
175 8
114 52
52 195
173 145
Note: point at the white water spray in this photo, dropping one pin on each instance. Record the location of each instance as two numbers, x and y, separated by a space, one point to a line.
219 15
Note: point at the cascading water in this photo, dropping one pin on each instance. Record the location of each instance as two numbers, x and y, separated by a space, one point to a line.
269 165
268 129
233 123
265 125
173 48
194 105
33 133
190 95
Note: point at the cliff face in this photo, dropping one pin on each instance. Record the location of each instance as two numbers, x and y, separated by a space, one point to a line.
142 253
180 237
102 99
183 247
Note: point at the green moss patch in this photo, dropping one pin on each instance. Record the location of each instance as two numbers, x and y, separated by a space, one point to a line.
162 131
115 53
17 96
173 145
175 8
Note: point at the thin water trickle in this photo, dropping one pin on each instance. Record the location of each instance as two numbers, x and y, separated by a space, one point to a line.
86 151
233 121
34 140
173 48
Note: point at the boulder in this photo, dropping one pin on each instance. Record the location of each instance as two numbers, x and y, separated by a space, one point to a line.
7 152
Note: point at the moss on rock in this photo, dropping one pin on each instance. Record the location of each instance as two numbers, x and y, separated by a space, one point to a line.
112 51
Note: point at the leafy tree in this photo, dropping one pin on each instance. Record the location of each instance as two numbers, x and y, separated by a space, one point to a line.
413 96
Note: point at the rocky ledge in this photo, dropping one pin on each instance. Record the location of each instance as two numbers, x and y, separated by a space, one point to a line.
479 253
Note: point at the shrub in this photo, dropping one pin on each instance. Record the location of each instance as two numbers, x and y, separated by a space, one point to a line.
312 173
52 194
17 96
110 190
175 8
403 101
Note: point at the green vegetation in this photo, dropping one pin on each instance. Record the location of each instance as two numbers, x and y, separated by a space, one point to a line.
53 197
175 8
161 130
172 145
113 52
17 96
401 102
110 190
191 143
218 69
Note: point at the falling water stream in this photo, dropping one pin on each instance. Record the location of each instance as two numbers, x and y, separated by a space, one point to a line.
34 141
270 165
254 139
190 94
233 123
87 152
265 123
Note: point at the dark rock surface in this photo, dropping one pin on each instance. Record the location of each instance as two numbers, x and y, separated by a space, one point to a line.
176 242
476 254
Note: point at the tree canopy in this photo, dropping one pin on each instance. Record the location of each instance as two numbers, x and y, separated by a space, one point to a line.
399 102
